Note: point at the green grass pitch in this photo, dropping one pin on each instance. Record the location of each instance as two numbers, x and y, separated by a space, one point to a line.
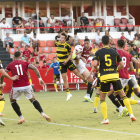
72 120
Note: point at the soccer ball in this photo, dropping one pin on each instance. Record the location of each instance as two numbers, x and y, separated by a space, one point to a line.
78 49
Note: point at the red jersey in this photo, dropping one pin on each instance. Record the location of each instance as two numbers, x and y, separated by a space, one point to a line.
32 59
123 73
38 67
34 54
86 52
20 68
131 72
122 37
27 53
45 67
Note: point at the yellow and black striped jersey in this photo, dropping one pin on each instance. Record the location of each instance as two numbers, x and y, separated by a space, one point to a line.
107 59
63 51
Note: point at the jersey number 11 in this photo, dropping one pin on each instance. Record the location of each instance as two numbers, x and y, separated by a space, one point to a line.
19 69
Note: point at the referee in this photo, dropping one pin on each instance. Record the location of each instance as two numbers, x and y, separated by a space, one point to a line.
64 56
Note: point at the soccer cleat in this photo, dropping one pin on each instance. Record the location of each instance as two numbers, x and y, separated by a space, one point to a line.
2 115
56 90
2 123
85 101
88 99
105 121
68 97
95 110
46 117
122 113
117 109
132 118
21 121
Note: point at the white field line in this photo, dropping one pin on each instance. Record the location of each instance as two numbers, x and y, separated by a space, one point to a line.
82 127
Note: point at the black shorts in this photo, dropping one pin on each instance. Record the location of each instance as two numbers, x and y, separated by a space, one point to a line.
10 45
98 83
105 87
56 76
69 65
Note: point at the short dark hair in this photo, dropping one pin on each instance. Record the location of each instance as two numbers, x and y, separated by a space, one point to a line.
17 54
75 33
54 57
4 19
34 33
37 49
120 43
63 34
105 40
130 44
129 31
56 21
59 32
86 40
44 61
37 62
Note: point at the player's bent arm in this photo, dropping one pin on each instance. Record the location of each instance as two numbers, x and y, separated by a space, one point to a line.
136 63
130 66
32 67
3 73
120 66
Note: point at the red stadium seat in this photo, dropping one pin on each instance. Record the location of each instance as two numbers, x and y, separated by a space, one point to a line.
115 41
49 62
124 20
82 41
53 49
42 44
31 49
40 50
40 63
43 57
12 50
22 49
129 26
117 21
51 56
50 43
46 50
17 43
123 27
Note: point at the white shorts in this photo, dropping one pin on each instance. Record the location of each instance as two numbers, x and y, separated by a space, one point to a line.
17 91
124 82
23 45
81 66
134 81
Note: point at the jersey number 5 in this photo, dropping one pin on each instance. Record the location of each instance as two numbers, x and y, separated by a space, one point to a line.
109 63
19 67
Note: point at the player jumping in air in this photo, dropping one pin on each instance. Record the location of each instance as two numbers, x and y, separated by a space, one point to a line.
56 75
22 85
107 59
64 56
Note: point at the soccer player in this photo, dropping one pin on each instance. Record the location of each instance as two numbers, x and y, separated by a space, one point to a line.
56 75
22 85
80 63
64 56
108 59
87 52
133 56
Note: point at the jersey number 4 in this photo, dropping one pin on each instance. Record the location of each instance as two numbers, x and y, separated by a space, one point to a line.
19 69
108 60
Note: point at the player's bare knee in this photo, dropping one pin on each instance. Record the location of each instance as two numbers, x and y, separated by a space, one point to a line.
31 100
12 100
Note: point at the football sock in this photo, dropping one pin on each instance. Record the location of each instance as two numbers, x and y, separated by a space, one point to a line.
96 100
16 108
55 86
67 91
91 92
120 100
138 95
89 86
127 104
114 101
37 106
133 102
1 106
104 108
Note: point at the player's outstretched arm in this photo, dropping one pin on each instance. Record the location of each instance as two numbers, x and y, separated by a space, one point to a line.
32 67
3 73
47 71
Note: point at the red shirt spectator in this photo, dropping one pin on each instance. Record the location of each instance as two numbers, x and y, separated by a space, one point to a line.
26 52
37 65
45 66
